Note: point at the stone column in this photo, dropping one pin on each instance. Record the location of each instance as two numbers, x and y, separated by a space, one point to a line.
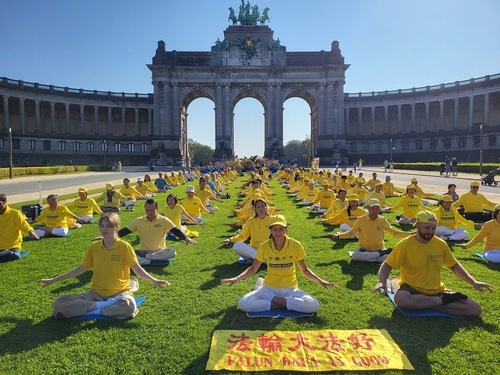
359 130
455 114
372 121
270 115
22 111
82 120
6 118
150 121
166 123
346 120
427 116
158 111
124 121
486 116
110 121
53 127
471 111
329 129
176 111
228 125
137 122
96 120
322 115
386 119
38 121
400 122
279 113
67 117
413 117
441 114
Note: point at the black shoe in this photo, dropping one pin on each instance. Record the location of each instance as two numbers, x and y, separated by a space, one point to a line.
398 217
450 297
384 252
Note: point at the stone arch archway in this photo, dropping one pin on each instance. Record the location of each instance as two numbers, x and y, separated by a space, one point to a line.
249 63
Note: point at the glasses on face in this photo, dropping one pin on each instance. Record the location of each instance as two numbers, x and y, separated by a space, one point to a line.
475 187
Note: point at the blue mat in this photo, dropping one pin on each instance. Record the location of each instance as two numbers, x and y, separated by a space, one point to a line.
24 253
158 263
278 313
426 312
481 255
138 302
242 260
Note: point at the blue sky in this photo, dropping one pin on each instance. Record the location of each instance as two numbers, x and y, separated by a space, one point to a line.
390 44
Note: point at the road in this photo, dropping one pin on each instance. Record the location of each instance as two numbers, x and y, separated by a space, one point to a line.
26 188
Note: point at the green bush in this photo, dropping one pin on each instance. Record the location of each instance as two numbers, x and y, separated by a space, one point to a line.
54 169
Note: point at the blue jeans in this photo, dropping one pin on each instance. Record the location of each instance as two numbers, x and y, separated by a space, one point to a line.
10 254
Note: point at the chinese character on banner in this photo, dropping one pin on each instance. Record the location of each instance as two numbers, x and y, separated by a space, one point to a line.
301 342
331 342
241 343
360 341
270 343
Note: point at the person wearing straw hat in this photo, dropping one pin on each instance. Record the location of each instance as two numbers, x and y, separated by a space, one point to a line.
280 288
193 205
490 231
371 229
473 203
448 219
420 258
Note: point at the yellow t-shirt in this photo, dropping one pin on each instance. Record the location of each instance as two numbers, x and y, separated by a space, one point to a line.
325 198
343 217
130 193
371 183
371 232
473 202
55 218
13 225
85 207
111 267
174 214
421 264
255 228
491 232
152 233
281 264
411 206
204 194
143 189
360 191
115 199
193 206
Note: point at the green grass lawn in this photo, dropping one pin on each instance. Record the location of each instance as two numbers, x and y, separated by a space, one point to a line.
171 334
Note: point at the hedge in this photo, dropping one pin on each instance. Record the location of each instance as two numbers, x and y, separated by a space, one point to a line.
54 169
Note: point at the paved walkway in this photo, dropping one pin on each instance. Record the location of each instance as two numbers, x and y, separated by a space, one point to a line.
24 189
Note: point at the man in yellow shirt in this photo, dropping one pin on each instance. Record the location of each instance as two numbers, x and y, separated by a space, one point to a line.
13 225
473 203
144 189
411 205
420 258
360 191
373 182
371 229
193 204
323 199
152 229
54 218
389 189
205 194
85 206
110 198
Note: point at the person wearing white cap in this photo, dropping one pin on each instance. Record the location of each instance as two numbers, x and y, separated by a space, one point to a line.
144 189
84 206
490 231
193 205
420 258
280 288
371 229
448 219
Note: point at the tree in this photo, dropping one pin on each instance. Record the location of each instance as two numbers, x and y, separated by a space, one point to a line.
299 150
199 153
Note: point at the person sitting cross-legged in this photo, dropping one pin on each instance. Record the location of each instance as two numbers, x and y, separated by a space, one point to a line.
55 219
152 229
14 225
473 203
280 287
110 259
84 206
371 228
420 258
448 219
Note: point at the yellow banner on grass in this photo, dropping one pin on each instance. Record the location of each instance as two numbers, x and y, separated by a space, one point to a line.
324 350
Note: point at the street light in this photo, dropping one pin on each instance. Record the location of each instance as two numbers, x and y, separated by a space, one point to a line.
105 154
391 149
10 153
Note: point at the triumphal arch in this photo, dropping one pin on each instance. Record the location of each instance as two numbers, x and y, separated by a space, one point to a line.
248 62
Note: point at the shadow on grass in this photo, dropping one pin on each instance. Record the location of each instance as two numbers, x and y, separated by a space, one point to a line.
419 336
25 336
357 271
81 280
491 266
224 271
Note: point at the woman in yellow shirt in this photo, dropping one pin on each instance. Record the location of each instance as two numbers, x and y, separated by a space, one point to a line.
175 212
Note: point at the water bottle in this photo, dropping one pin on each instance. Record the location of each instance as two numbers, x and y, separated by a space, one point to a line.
394 284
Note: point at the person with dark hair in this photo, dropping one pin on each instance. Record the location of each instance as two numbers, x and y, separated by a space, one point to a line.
451 192
257 228
110 198
110 294
14 225
420 258
490 231
448 219
280 288
177 213
55 219
152 229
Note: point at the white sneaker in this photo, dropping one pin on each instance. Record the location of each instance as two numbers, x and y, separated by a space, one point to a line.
134 285
259 283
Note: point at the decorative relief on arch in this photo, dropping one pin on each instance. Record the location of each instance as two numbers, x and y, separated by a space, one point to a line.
189 94
310 96
258 93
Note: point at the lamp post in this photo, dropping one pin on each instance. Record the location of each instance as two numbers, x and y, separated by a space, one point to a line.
481 149
10 153
391 149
